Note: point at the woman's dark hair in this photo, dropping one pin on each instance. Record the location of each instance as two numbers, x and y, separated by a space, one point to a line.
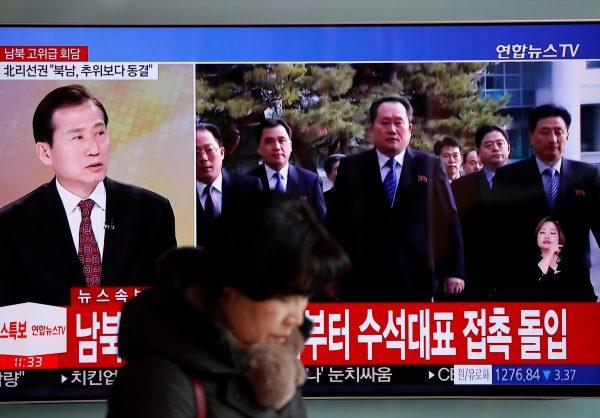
269 245
561 235
181 267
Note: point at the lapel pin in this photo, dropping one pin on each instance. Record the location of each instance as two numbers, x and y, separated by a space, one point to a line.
422 179
579 192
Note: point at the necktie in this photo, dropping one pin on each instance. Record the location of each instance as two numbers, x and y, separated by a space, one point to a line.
89 253
209 204
551 187
390 182
279 185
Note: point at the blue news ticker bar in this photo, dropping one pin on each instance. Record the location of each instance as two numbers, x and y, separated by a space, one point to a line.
307 43
546 375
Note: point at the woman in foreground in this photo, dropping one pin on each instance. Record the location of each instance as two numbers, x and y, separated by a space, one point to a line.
221 336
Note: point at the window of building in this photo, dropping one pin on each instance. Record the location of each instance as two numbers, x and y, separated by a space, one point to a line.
590 128
592 64
517 80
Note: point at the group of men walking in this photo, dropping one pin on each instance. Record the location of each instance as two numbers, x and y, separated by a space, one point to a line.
413 232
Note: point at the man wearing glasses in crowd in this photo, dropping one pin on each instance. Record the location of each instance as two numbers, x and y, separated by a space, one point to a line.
216 189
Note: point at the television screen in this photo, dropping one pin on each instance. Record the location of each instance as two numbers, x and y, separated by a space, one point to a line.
457 165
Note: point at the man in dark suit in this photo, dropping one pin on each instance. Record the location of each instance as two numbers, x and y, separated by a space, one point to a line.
81 228
277 173
216 189
546 184
395 216
473 196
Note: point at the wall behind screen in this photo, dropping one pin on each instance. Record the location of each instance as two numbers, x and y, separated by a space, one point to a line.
292 11
280 11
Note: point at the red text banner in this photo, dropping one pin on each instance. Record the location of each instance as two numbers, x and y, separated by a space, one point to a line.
351 334
11 53
453 333
93 326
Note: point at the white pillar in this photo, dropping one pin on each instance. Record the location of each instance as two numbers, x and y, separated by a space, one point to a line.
596 126
565 80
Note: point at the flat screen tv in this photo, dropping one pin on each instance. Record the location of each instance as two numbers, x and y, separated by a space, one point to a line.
464 284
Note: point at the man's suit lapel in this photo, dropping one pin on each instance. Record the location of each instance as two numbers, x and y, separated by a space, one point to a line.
200 210
262 175
226 192
293 183
481 182
536 186
482 188
564 185
374 180
199 207
116 236
202 222
469 192
56 232
407 177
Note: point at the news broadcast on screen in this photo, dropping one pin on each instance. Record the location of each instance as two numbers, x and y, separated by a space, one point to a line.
457 166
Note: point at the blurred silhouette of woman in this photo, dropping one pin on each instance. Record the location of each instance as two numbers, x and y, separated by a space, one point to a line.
222 333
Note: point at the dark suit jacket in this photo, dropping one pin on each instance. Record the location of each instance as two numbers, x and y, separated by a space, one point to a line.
563 285
521 202
397 253
329 199
38 259
235 188
302 184
472 195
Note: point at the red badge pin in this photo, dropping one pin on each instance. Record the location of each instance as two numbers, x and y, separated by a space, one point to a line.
579 192
422 179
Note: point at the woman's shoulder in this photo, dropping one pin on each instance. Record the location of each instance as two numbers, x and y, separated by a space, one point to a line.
151 386
152 366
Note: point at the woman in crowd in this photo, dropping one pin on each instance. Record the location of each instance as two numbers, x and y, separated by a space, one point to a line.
555 280
220 337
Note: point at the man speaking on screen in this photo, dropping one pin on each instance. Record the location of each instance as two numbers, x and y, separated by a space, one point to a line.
81 228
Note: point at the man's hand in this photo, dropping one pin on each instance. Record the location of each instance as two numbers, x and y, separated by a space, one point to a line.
453 285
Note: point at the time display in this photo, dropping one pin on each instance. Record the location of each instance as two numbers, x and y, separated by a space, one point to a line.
28 362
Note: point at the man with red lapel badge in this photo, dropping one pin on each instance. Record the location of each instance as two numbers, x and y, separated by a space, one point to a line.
473 195
547 184
277 174
395 216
